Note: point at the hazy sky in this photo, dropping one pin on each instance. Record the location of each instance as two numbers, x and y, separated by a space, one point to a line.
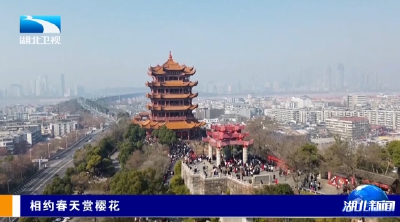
112 43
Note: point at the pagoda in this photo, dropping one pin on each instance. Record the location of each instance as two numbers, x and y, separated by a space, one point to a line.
227 135
171 98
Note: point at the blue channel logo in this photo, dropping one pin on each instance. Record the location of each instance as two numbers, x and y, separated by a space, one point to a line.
49 24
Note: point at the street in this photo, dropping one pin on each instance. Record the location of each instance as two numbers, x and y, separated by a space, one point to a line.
56 166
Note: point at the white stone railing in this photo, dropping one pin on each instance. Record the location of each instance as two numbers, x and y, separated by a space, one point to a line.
192 173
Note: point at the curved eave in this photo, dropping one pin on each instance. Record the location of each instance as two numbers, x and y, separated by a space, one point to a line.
172 108
174 68
171 84
192 72
172 96
174 125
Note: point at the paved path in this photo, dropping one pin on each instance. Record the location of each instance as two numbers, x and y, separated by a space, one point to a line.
115 161
326 188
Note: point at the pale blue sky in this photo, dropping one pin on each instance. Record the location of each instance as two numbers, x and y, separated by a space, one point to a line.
111 43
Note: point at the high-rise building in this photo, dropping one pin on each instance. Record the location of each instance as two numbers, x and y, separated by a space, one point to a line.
15 91
328 79
45 86
79 90
363 81
38 87
377 83
62 88
340 76
171 100
32 88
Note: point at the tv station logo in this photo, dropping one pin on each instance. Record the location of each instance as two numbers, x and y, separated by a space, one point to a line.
40 29
368 200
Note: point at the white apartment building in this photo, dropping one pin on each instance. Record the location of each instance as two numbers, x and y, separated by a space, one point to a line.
62 128
356 101
23 138
7 142
283 115
297 103
40 116
388 118
348 127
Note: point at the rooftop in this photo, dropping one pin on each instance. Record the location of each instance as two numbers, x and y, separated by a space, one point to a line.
353 119
171 65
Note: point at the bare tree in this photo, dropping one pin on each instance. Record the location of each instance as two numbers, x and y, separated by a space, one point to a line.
135 160
80 181
155 157
373 158
342 157
262 131
288 149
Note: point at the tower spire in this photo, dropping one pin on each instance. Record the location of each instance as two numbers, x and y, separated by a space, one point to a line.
170 55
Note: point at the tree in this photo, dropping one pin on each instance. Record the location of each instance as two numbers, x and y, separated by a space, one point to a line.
134 161
137 182
341 157
394 151
93 163
374 158
164 135
297 154
277 189
307 158
177 185
155 157
261 130
59 186
121 115
80 181
178 168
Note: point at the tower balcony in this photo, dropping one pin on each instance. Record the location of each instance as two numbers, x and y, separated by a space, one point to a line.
170 118
171 96
173 83
171 108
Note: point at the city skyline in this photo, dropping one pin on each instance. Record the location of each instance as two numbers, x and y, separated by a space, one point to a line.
267 41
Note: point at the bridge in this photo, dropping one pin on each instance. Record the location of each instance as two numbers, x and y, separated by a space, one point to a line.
121 97
142 94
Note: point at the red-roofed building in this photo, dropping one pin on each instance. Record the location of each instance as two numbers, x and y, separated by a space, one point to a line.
348 127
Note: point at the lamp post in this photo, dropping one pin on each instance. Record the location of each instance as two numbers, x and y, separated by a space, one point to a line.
48 149
8 185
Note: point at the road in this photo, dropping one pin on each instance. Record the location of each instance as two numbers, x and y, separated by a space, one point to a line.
57 166
96 112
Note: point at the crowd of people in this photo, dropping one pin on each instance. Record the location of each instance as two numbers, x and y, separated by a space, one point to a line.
310 182
177 151
230 166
